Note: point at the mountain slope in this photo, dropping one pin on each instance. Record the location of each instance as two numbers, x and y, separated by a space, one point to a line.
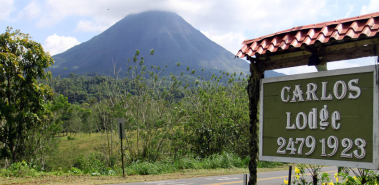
173 39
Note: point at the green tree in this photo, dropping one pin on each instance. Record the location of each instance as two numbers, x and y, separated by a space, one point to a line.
22 98
62 112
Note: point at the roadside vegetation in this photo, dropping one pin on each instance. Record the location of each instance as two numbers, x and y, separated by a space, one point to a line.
67 126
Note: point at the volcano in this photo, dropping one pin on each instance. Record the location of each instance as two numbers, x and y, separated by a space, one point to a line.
172 38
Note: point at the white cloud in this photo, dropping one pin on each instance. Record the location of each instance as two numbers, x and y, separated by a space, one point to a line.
104 12
351 9
57 44
237 15
330 65
5 9
222 18
371 8
32 10
352 63
230 41
297 70
225 22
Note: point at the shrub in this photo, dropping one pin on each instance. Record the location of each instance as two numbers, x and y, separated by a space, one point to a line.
143 168
74 170
20 169
92 163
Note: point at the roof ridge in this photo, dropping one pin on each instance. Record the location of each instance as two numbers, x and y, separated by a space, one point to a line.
352 27
316 25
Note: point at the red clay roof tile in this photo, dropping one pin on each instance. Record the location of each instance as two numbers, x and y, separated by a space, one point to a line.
353 27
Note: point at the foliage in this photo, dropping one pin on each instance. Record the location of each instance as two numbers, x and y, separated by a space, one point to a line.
75 171
24 114
224 160
180 121
170 115
92 163
300 176
218 117
19 169
363 176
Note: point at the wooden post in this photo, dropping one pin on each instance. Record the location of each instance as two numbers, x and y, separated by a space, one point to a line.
289 175
121 134
376 46
122 159
244 179
253 92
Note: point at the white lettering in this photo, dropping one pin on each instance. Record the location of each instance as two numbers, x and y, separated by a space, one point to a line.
336 117
289 126
354 88
297 93
311 89
312 119
301 127
324 115
343 91
282 94
324 96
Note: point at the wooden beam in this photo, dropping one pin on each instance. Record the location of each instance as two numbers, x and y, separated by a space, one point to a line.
287 62
352 44
321 49
336 55
254 70
290 55
350 53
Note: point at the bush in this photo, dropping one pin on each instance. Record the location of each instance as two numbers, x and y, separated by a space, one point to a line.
187 163
267 164
76 171
92 163
224 160
64 159
143 168
20 169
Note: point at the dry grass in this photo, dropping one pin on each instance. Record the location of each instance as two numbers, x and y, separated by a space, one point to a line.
87 179
85 142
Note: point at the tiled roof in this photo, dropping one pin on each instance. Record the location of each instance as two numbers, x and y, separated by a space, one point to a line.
354 27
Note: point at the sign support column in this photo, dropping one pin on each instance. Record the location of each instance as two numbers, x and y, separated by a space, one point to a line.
121 132
254 93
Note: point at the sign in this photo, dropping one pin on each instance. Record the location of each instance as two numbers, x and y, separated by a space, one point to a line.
121 135
323 118
121 128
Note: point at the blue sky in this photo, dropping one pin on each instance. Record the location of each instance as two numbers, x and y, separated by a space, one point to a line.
61 24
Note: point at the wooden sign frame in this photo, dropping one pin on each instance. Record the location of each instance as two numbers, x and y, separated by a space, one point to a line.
374 164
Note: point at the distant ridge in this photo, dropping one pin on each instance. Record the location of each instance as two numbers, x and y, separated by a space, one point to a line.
173 39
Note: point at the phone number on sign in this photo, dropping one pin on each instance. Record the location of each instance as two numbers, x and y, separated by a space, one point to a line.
332 142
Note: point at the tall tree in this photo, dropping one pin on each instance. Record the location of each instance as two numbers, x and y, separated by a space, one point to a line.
22 97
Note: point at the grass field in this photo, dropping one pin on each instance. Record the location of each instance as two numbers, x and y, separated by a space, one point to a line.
86 144
87 179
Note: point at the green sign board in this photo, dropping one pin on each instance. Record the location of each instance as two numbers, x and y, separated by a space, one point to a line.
324 118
